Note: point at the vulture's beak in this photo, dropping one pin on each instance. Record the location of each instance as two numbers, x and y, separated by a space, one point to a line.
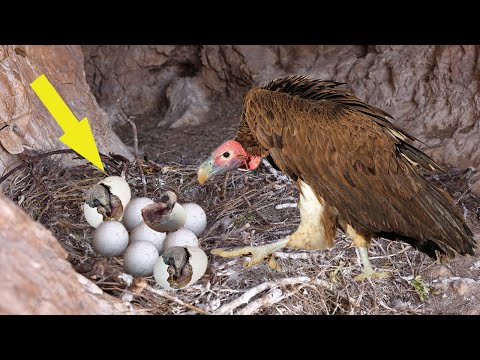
206 171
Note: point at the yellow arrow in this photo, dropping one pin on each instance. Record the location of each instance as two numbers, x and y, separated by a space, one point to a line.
77 135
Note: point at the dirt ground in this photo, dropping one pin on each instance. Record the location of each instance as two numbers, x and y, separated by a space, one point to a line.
186 146
243 209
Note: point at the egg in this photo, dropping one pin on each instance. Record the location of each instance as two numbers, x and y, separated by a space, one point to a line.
132 215
110 239
179 267
181 237
196 218
140 258
106 200
160 218
143 232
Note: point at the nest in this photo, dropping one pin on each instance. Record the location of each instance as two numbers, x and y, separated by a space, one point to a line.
243 208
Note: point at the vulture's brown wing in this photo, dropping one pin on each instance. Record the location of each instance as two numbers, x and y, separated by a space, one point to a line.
355 165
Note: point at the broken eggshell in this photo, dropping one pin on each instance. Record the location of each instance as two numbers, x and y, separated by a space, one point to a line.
106 200
160 218
180 267
92 216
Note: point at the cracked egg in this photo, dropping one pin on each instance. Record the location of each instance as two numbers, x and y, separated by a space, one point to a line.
179 267
106 200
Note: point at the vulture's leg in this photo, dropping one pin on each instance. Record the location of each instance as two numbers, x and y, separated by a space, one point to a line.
258 253
367 267
316 231
361 242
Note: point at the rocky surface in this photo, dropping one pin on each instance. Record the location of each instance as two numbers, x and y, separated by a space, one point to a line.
36 278
25 124
431 91
455 293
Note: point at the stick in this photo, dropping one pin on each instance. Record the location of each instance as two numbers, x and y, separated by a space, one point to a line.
33 159
223 222
286 205
255 210
265 301
274 172
135 152
247 295
40 156
177 300
225 183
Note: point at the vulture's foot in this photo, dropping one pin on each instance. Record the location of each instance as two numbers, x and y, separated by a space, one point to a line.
257 253
368 271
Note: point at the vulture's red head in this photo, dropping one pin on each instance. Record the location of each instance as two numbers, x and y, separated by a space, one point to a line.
227 157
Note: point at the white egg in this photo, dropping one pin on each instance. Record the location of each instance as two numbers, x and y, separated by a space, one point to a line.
132 215
190 273
143 232
140 258
181 237
196 218
110 239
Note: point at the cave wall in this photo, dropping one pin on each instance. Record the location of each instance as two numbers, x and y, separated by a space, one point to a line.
431 91
25 124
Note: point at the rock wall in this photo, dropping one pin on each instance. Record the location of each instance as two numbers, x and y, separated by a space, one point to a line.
25 123
36 278
431 91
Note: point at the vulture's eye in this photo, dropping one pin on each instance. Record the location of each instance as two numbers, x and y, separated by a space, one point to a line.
226 154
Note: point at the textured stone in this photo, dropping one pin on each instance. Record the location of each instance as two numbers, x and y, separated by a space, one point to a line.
25 123
36 278
438 271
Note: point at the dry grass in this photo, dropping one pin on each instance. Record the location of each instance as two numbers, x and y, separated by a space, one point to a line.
242 209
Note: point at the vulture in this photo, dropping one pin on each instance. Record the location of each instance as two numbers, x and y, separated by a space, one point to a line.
354 169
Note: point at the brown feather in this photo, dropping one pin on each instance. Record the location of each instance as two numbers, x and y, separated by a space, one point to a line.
347 151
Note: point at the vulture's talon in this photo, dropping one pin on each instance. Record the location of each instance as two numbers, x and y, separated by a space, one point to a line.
258 253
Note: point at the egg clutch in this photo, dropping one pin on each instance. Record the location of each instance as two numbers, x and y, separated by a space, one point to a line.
159 238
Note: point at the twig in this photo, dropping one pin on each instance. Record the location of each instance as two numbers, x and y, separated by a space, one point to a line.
247 295
225 183
255 210
34 159
223 222
325 284
136 154
38 157
274 172
286 205
265 301
177 300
